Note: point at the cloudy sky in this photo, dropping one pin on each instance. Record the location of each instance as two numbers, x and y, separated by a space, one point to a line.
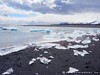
48 11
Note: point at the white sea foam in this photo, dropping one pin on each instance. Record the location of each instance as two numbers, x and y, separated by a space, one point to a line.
9 50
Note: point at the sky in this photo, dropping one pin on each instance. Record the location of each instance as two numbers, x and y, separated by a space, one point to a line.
49 11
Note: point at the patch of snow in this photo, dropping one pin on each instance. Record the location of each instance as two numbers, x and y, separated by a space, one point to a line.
9 71
95 39
32 61
44 60
77 46
81 53
9 50
72 70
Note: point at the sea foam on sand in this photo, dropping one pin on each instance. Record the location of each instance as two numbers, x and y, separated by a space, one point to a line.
5 51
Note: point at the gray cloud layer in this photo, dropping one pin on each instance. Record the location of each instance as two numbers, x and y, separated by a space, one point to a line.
61 7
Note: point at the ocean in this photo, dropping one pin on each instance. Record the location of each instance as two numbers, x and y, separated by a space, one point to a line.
30 34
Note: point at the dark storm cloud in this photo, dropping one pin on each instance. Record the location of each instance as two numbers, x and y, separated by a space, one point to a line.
61 8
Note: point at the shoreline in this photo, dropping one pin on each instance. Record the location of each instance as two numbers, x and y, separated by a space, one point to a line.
63 59
85 26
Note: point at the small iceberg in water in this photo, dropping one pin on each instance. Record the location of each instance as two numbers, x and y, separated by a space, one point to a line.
9 28
41 30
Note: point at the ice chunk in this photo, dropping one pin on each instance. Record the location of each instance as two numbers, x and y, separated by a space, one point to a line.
72 70
91 32
86 41
81 53
36 73
45 51
50 45
77 41
51 57
42 30
12 28
32 61
9 50
70 37
58 46
9 28
45 45
98 32
44 60
63 72
3 28
95 39
36 49
76 33
9 71
77 46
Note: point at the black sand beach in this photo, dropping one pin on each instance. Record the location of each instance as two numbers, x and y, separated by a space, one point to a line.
63 59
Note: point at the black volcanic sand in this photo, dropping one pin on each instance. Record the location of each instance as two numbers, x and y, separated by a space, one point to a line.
63 59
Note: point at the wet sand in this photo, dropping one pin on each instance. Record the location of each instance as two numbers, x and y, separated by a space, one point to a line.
63 59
